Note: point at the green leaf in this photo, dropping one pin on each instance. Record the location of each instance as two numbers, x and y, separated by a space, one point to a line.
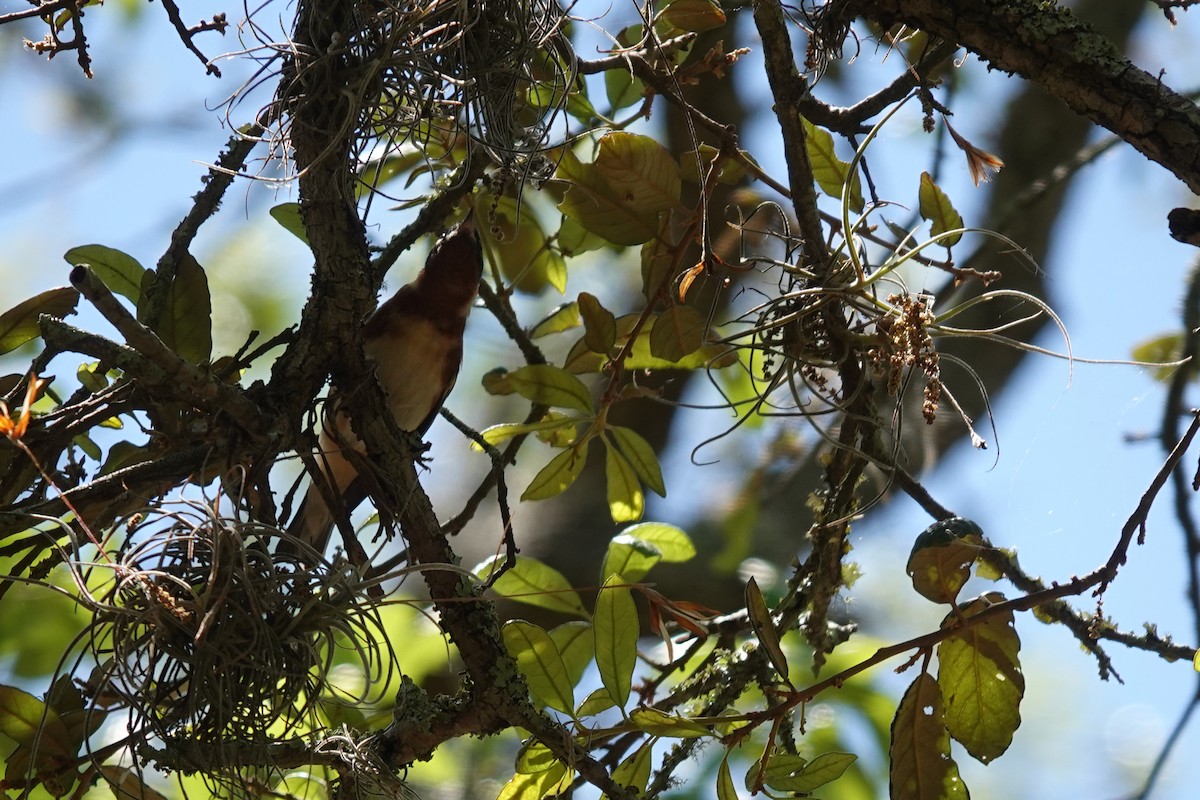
764 628
534 583
641 458
830 172
921 766
537 785
678 332
550 386
19 324
621 195
595 703
634 771
936 207
615 627
507 430
599 324
119 271
672 543
626 501
942 556
660 723
1166 347
561 318
534 757
725 788
629 557
622 89
539 661
574 239
557 476
374 174
186 324
695 16
576 645
521 249
790 773
288 215
44 742
979 672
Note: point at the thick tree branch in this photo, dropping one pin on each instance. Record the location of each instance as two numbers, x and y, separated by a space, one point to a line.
1049 45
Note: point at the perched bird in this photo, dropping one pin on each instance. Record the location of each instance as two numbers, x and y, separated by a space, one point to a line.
415 340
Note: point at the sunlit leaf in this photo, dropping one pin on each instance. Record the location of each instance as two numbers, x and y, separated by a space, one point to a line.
534 757
634 770
641 457
941 558
725 788
576 645
19 324
660 723
695 16
534 583
615 627
790 773
921 766
550 386
629 557
288 215
830 172
497 434
1165 347
622 89
538 659
979 672
119 271
936 207
597 702
561 318
558 475
626 501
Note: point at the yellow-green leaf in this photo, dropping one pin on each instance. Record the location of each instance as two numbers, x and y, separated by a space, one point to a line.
678 332
595 703
1165 347
634 771
119 271
507 430
550 386
599 324
921 766
534 757
576 645
660 723
672 543
979 672
626 501
830 172
561 318
622 88
539 661
695 16
936 207
557 476
788 773
725 788
629 557
615 627
764 628
534 583
941 558
518 245
186 323
537 785
288 215
641 458
19 324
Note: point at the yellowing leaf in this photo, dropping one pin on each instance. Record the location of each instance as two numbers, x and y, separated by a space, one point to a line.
981 680
539 661
1165 347
936 207
830 172
119 271
615 627
534 583
941 558
679 331
626 502
921 766
557 476
550 386
19 324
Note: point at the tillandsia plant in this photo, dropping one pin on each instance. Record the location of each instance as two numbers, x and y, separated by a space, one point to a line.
622 262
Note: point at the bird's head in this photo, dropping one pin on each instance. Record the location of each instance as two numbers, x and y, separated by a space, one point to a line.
452 271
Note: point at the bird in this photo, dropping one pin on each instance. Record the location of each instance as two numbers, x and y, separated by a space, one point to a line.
415 340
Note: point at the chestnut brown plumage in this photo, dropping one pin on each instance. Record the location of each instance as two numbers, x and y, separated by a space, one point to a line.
415 341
